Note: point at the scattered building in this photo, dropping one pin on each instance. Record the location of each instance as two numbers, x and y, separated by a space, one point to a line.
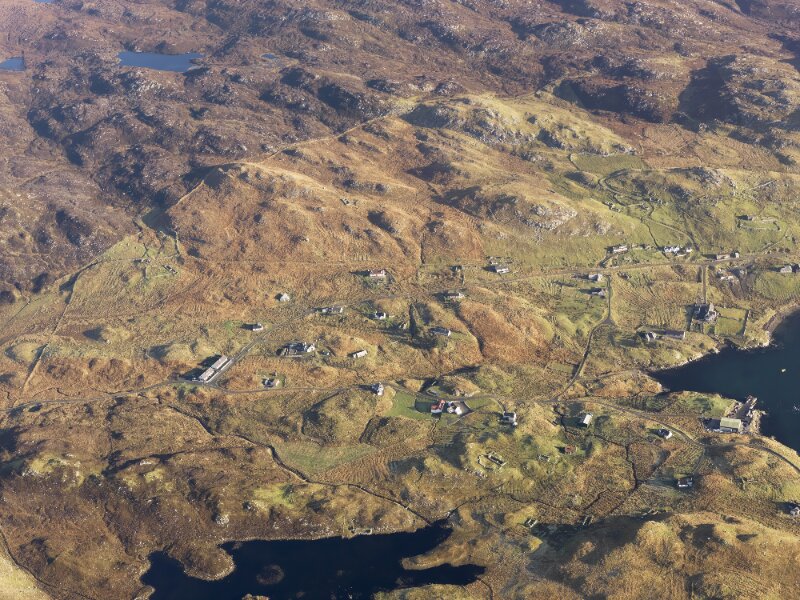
705 313
585 420
377 389
729 425
295 349
671 249
530 522
451 407
437 408
271 382
664 433
793 508
509 418
212 372
443 331
684 483
496 459
453 295
256 327
674 334
787 269
284 297
380 316
649 336
598 292
456 408
500 269
596 277
570 449
331 310
619 249
722 256
376 273
358 354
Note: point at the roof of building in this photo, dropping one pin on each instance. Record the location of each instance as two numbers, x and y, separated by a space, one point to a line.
729 423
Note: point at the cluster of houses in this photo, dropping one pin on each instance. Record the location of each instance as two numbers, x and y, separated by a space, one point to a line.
214 371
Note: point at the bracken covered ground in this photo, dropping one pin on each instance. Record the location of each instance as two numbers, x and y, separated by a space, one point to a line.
148 218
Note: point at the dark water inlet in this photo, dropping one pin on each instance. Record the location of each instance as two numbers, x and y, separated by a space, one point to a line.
329 568
772 374
178 63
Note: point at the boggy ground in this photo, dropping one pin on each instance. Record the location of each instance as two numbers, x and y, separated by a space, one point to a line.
108 453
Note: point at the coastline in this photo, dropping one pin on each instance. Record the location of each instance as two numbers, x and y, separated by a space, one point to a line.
779 317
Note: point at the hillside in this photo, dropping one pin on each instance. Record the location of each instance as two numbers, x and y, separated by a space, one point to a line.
489 157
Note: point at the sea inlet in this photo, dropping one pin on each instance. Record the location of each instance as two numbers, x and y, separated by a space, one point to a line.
771 373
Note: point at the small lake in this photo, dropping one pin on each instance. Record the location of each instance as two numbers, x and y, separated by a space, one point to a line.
178 63
760 372
329 568
13 64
